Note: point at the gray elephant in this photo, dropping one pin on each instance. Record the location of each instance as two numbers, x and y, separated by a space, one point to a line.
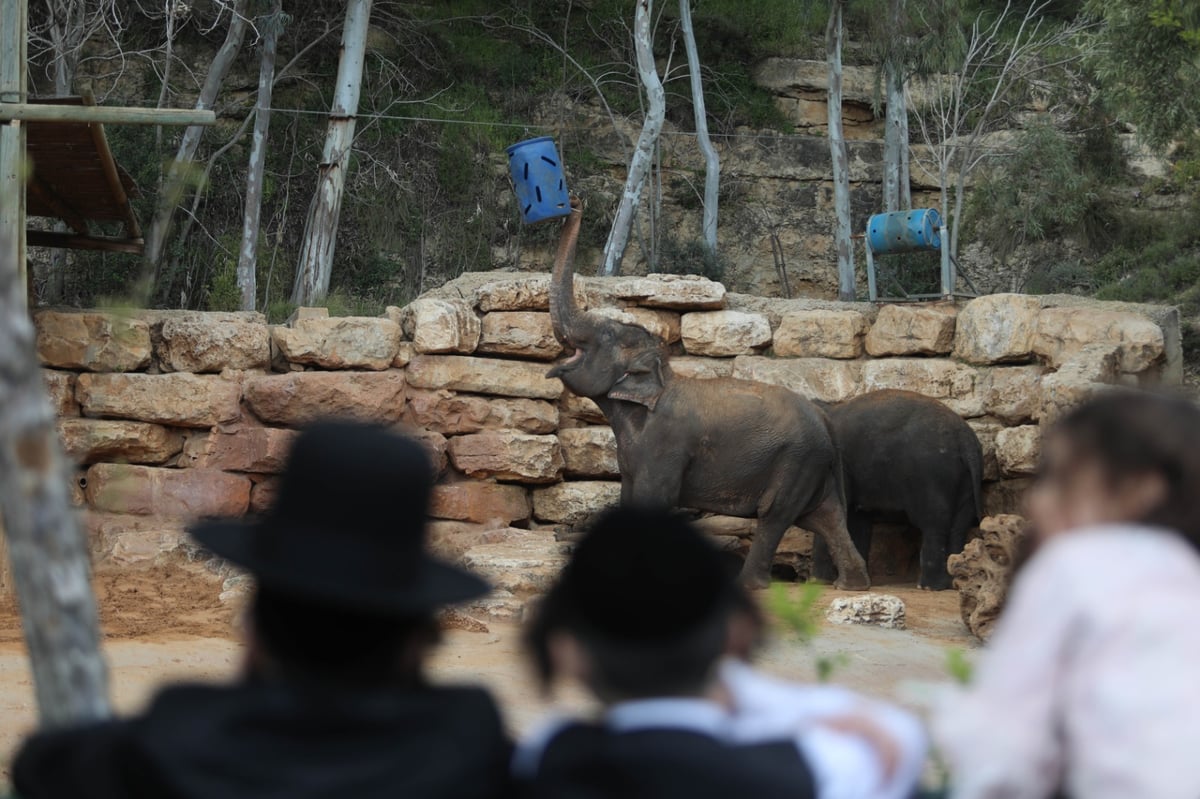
904 453
725 446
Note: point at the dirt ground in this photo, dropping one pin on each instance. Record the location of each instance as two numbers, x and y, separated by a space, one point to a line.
166 623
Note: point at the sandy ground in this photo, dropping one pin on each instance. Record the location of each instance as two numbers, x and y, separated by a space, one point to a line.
165 623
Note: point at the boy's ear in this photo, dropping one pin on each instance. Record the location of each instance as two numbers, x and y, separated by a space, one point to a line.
568 659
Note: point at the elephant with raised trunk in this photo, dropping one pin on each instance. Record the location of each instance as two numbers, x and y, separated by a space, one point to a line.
725 446
909 455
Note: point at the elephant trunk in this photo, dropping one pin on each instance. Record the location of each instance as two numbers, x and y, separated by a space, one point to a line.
565 313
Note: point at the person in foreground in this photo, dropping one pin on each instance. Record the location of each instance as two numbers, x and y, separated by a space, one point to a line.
332 701
1088 686
642 615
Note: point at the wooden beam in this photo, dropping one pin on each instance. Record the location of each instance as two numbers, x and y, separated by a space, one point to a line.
47 238
61 207
132 229
117 115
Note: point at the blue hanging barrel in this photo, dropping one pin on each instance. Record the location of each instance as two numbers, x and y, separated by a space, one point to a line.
904 231
538 178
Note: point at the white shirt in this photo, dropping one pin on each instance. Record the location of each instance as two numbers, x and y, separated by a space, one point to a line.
843 765
1090 680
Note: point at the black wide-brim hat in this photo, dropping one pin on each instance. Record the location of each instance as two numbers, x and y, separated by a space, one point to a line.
348 527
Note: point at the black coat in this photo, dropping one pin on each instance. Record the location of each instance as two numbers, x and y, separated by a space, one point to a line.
585 761
278 741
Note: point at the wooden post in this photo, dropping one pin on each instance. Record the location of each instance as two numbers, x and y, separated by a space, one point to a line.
13 18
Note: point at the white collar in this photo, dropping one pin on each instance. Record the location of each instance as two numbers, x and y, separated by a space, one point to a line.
697 715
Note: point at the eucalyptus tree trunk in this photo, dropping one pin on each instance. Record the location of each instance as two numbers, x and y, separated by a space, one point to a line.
897 192
840 157
46 548
712 162
171 192
315 266
643 153
269 26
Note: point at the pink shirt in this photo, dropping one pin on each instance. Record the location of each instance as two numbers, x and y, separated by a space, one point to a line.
1091 680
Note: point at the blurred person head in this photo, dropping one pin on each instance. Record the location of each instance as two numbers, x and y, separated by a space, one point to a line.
346 591
1125 456
643 609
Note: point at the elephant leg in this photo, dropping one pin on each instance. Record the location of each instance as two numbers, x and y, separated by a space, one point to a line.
935 521
828 521
756 571
858 522
656 484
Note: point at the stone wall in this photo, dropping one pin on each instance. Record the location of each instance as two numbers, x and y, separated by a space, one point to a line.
174 415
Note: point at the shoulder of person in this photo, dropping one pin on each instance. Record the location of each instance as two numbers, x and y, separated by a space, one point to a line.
82 761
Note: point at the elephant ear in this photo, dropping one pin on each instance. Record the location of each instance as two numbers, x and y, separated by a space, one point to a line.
643 380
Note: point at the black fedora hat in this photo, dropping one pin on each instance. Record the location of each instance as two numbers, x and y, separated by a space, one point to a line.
348 526
642 575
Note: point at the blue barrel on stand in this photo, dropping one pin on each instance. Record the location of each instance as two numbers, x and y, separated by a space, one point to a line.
905 231
538 178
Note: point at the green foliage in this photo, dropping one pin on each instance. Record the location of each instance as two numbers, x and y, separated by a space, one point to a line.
1148 60
802 617
690 257
223 293
1037 191
959 666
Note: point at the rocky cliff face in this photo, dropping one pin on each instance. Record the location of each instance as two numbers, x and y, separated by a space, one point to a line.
176 415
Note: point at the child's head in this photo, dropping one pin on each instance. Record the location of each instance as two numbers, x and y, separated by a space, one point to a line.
1123 457
642 610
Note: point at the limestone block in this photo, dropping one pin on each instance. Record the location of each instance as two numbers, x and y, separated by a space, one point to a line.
676 292
663 324
912 330
524 293
263 494
60 386
821 334
590 452
523 334
479 501
96 342
299 398
525 562
483 376
724 333
997 328
1063 332
454 414
815 378
444 326
985 430
179 399
436 446
1018 450
344 342
128 540
506 455
573 503
1081 377
168 493
260 450
449 539
199 342
1012 394
983 571
952 383
878 610
404 354
575 411
703 368
87 441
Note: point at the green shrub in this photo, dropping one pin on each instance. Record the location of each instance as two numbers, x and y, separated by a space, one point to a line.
691 257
